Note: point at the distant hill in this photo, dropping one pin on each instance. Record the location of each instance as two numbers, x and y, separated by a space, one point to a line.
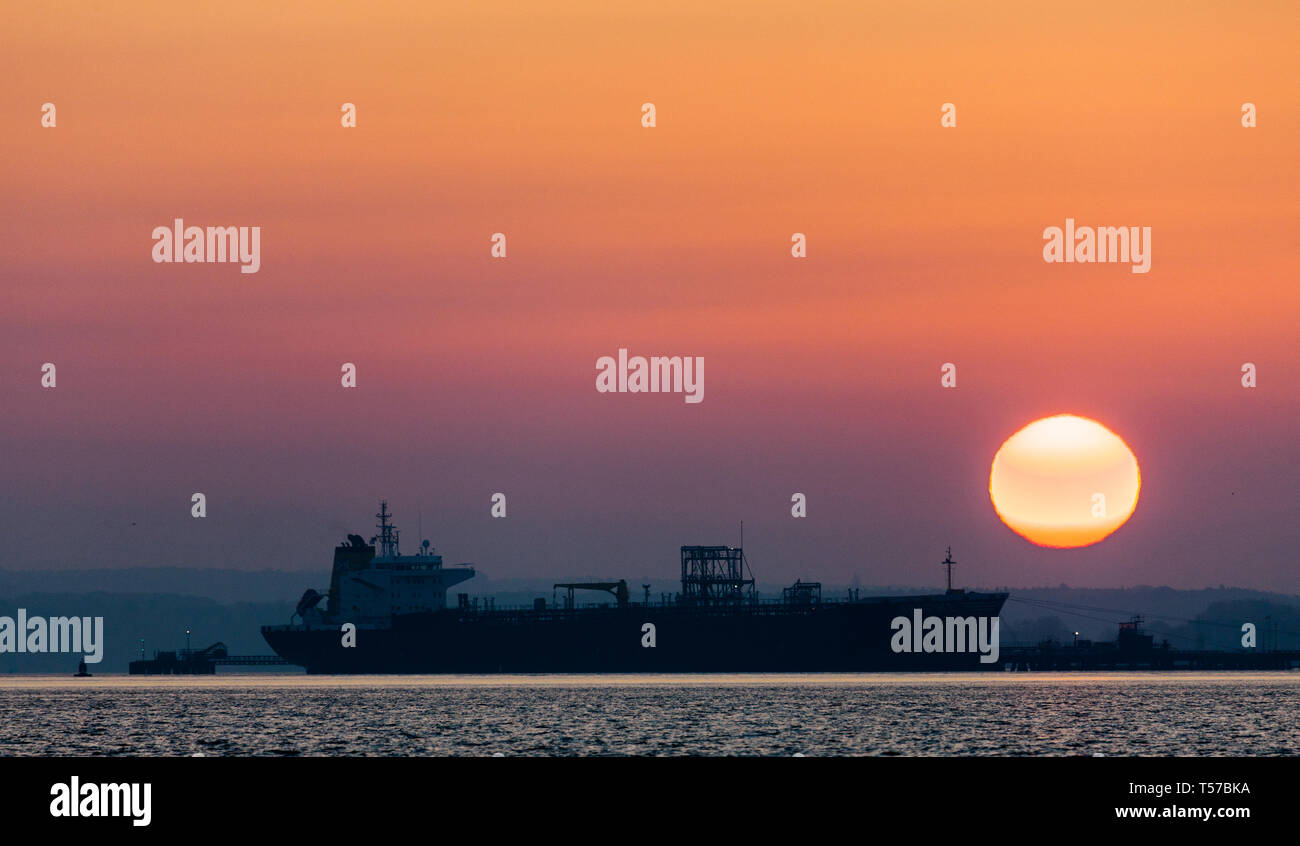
1190 619
161 619
218 585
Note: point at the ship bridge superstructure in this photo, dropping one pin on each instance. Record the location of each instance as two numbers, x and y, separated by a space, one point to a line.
373 581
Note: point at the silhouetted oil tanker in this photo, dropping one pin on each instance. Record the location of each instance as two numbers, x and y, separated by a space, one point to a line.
387 613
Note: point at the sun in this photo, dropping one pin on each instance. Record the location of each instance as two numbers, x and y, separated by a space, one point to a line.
1064 481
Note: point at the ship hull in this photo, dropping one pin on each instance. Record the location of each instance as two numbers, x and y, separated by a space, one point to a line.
826 637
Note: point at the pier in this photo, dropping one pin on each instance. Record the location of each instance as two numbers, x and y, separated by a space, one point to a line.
198 662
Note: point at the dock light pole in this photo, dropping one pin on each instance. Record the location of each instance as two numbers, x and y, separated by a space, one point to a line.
187 640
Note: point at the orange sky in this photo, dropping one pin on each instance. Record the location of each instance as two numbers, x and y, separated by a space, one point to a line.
924 247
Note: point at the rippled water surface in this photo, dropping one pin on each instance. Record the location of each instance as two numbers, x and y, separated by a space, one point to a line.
941 714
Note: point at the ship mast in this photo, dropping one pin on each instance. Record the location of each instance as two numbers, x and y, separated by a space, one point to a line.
387 534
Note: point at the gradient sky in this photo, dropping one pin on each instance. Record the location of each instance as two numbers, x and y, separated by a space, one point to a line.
477 375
